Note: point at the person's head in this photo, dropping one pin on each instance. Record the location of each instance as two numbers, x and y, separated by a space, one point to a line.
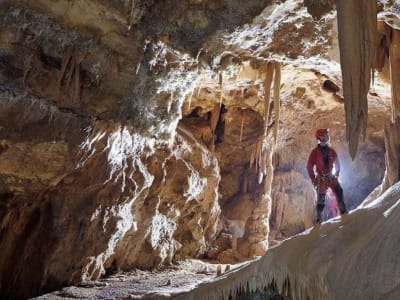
322 136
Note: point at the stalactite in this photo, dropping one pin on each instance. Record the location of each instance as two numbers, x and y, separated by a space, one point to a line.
76 98
255 153
131 13
221 89
190 99
269 70
70 76
252 155
241 127
357 25
277 85
263 164
261 158
70 72
215 116
272 73
269 171
66 60
261 154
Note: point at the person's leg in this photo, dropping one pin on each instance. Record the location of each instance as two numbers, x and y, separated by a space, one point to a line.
332 203
339 194
320 207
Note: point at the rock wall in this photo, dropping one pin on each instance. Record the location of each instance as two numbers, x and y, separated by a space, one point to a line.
96 177
132 135
127 202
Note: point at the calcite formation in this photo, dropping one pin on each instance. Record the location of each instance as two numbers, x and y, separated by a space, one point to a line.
357 41
317 265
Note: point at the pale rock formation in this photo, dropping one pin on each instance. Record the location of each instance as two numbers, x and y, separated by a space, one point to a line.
325 262
360 31
292 211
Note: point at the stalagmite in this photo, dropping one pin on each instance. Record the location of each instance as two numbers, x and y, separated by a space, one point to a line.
357 27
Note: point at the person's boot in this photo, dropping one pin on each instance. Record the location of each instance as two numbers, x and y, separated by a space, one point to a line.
319 217
342 207
320 209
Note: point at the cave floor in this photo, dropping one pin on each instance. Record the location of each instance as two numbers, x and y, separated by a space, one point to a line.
138 284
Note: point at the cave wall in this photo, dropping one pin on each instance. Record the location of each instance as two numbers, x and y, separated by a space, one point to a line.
121 201
112 154
95 176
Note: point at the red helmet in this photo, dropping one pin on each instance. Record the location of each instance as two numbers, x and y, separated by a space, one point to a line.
321 131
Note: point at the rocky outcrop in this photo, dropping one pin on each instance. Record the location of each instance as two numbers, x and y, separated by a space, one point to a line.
127 202
231 138
293 204
95 175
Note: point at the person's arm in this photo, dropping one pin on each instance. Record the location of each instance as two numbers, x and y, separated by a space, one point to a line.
337 164
310 167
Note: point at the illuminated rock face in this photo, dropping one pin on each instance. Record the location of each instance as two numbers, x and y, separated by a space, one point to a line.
96 177
126 201
132 135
